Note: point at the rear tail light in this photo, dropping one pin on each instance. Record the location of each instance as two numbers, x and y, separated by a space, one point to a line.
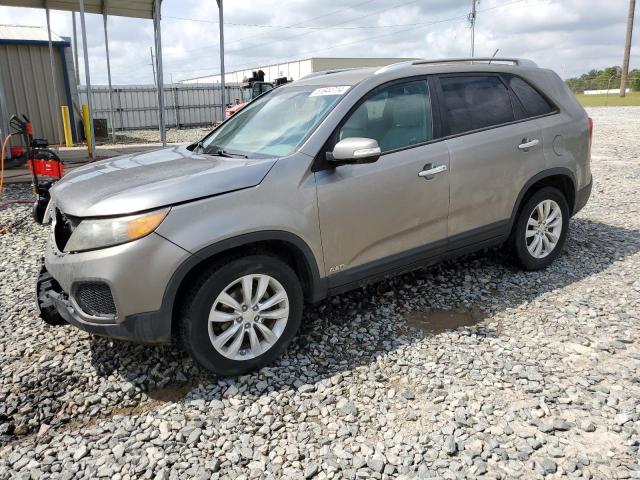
590 131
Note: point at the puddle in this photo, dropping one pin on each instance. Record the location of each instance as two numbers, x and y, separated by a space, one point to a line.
442 320
171 393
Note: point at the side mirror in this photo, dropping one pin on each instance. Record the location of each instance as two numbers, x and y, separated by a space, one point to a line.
353 151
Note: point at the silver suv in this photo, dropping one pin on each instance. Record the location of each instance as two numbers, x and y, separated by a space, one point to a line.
312 189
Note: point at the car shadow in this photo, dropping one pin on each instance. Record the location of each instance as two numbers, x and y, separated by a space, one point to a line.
354 329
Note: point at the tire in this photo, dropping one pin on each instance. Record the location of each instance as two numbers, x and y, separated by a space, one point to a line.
197 333
523 236
38 211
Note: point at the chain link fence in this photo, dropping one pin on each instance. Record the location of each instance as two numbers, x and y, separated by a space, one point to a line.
603 83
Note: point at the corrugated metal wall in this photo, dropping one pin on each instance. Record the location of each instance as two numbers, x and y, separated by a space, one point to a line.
28 89
4 115
136 107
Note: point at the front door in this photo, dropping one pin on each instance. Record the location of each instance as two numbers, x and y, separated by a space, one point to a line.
378 215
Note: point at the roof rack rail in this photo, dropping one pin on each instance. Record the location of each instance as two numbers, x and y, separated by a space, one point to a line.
394 66
328 72
521 62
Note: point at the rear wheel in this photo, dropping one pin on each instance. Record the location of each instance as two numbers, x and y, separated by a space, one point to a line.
242 314
541 229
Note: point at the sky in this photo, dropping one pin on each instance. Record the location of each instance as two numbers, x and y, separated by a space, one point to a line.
569 36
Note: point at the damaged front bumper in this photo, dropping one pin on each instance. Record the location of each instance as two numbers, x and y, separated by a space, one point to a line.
56 308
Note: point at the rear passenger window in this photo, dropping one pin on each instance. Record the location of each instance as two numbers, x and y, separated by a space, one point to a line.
397 116
534 103
475 102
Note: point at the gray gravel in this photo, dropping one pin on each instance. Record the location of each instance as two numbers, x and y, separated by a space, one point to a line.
466 369
174 135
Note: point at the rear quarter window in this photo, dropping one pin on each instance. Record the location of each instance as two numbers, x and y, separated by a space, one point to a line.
532 101
475 102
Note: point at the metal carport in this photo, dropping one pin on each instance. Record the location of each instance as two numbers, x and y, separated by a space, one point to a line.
148 9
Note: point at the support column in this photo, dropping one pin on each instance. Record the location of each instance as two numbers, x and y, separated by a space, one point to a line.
4 118
75 50
85 49
112 117
223 93
160 81
56 110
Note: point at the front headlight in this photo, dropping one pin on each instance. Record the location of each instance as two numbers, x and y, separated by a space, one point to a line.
106 232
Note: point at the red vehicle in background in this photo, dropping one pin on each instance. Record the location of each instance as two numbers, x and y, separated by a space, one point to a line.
251 88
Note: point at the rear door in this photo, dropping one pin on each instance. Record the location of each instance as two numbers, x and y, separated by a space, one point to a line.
372 216
494 151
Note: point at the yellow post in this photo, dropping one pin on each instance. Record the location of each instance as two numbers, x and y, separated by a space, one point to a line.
66 125
87 126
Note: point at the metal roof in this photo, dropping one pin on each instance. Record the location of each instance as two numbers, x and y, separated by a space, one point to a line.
27 34
120 8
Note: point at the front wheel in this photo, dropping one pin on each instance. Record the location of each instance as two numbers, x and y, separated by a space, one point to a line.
242 314
541 229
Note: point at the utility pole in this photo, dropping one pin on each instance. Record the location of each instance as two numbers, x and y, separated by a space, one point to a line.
221 24
153 65
627 49
472 24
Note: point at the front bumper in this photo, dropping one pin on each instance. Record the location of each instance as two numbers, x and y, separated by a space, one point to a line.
55 308
136 273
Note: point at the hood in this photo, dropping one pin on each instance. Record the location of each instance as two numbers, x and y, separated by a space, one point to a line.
143 181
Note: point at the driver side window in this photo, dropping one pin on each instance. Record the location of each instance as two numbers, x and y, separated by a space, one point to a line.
397 116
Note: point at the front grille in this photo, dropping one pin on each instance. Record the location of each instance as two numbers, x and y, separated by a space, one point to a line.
64 227
95 298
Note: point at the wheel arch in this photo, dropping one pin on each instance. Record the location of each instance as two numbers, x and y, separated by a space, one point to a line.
561 178
287 246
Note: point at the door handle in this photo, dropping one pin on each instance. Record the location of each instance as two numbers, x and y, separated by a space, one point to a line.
527 144
428 171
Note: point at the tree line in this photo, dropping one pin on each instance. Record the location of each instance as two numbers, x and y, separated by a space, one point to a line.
603 79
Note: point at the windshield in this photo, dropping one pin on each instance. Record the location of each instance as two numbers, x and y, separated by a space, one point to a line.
274 124
247 92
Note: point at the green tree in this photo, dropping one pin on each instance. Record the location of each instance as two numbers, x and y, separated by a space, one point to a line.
634 80
601 79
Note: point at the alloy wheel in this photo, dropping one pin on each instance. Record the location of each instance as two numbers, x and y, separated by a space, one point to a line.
248 317
543 229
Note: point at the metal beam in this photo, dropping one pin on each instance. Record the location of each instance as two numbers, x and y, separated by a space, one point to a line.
56 112
120 8
223 95
75 49
85 49
4 117
160 81
112 117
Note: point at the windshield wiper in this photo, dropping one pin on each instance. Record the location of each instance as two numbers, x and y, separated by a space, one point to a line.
220 152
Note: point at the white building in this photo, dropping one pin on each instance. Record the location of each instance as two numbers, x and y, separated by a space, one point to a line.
297 68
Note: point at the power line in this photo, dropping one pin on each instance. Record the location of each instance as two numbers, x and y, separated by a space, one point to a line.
415 26
368 38
376 12
459 17
335 26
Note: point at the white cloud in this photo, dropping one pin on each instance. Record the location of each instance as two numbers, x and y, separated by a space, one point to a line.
570 36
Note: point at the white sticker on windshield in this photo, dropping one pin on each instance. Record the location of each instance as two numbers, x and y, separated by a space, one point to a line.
318 92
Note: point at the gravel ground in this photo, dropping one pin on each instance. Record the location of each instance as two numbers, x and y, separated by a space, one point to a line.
186 135
466 369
